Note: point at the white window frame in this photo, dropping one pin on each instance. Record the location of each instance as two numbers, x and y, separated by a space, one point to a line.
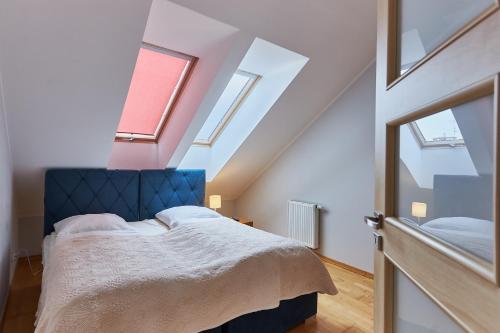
433 144
235 106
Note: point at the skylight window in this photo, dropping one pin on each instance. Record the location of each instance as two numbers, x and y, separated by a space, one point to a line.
238 88
158 79
440 129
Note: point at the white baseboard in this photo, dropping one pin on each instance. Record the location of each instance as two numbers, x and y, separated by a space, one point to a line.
12 270
13 265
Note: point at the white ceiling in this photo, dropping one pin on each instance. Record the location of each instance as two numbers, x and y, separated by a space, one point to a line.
337 36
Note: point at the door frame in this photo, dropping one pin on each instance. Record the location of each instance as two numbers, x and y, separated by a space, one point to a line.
487 87
479 280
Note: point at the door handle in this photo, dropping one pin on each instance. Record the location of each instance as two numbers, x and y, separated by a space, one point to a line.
375 221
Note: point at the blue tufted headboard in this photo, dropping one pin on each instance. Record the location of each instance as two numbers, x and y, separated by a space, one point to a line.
458 195
133 195
162 189
71 192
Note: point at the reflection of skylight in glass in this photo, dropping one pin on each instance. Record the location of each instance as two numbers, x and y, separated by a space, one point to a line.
438 129
157 81
233 96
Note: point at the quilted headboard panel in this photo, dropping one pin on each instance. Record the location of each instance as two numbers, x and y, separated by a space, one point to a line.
469 196
71 192
162 189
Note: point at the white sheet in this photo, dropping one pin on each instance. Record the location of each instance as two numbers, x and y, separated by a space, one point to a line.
191 278
473 235
149 227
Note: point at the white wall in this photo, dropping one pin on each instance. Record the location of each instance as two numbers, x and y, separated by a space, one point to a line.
227 208
6 206
66 67
133 156
332 164
315 29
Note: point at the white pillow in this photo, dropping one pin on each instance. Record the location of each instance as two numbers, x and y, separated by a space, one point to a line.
90 222
176 215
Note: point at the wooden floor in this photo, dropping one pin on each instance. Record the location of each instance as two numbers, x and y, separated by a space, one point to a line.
350 311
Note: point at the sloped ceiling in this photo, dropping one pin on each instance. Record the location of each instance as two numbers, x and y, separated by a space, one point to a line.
181 29
66 68
339 39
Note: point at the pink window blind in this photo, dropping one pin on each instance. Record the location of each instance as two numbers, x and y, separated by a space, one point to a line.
153 85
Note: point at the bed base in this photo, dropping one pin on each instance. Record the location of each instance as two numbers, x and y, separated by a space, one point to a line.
289 314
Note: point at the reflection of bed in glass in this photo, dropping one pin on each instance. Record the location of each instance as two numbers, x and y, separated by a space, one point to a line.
445 176
465 204
473 235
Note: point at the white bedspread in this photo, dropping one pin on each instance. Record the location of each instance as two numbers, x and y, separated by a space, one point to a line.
191 278
470 234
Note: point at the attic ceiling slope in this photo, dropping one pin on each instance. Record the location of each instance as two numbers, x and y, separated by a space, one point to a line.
66 67
339 39
183 30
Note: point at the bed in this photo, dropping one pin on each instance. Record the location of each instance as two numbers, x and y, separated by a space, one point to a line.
285 276
463 213
470 234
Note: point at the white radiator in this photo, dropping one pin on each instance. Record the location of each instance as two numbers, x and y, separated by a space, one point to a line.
303 223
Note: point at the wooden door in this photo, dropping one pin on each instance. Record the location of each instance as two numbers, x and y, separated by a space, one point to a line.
437 266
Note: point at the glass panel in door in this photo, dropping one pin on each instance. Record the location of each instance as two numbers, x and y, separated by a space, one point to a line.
415 312
424 25
445 176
